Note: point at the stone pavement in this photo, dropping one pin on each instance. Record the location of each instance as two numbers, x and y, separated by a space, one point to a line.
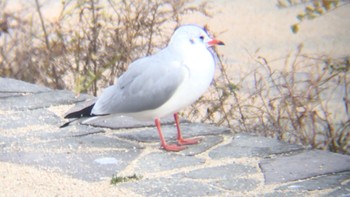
223 164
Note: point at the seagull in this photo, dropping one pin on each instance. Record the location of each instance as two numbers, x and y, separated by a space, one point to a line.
162 84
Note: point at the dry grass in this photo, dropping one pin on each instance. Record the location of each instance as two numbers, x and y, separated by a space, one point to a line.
307 102
89 44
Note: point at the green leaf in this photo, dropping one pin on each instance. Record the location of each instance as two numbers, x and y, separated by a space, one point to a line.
309 8
300 17
327 4
319 11
295 28
233 87
118 179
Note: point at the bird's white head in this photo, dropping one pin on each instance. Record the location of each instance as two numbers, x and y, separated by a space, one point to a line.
193 35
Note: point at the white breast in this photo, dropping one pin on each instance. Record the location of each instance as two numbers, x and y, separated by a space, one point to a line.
200 68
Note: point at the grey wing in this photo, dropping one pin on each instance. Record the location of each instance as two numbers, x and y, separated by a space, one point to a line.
146 85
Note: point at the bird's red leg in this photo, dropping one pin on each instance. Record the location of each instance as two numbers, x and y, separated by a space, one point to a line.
180 139
171 147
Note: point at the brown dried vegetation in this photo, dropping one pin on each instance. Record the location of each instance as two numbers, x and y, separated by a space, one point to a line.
93 41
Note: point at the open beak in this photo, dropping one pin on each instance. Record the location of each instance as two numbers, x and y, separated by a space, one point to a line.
215 42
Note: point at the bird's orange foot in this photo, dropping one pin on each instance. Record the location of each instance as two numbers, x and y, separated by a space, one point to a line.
173 147
189 141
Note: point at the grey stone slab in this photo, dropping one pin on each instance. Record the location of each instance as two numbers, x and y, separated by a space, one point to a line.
68 151
205 144
328 181
343 190
188 130
50 135
245 145
163 161
100 141
304 165
90 166
224 172
8 85
8 144
86 142
121 122
226 177
8 94
41 139
14 143
284 194
171 187
74 130
26 118
41 100
238 184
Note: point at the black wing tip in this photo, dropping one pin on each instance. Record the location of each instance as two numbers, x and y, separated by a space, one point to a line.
86 112
65 124
77 115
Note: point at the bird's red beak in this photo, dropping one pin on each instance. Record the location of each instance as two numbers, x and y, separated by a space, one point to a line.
215 42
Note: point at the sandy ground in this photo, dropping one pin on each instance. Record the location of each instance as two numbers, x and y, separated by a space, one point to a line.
244 26
20 180
255 24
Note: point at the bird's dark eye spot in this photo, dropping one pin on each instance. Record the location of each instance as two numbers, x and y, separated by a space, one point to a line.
201 37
